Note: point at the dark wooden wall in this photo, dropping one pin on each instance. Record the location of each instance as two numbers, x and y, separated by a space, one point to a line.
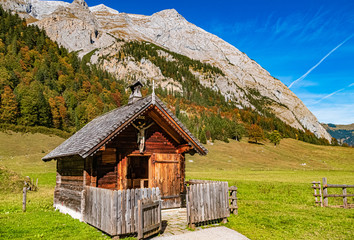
69 183
108 167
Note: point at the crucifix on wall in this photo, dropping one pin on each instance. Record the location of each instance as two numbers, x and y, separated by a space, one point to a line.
141 134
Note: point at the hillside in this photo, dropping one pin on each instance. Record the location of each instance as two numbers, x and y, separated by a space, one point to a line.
289 155
45 85
99 30
274 195
22 153
343 133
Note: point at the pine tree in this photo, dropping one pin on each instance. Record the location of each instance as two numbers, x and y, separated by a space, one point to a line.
9 106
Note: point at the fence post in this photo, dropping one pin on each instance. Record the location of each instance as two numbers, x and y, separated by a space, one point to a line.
234 207
321 195
315 192
345 202
325 192
141 220
24 199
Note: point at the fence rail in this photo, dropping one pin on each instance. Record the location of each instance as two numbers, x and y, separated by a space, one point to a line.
115 212
323 192
207 201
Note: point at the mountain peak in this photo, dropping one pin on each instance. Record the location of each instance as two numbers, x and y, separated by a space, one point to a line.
80 2
103 8
169 13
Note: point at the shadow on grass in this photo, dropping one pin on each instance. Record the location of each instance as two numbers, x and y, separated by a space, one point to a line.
257 143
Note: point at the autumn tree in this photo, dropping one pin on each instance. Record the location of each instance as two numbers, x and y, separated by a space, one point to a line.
9 106
255 133
275 137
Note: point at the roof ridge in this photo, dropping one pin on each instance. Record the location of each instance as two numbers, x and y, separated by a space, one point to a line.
95 133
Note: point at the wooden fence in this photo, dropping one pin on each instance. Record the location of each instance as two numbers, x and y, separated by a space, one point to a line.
317 186
207 201
324 193
116 212
149 217
233 200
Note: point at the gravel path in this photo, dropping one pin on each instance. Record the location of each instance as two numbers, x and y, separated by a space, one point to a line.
174 227
207 234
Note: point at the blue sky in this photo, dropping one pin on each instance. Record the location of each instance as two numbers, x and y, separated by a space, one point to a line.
306 40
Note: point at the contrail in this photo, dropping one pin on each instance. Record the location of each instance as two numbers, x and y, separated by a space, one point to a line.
311 69
331 94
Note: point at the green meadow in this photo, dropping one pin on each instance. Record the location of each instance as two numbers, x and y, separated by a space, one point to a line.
274 190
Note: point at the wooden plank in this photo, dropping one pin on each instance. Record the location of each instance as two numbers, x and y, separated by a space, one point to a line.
325 192
234 201
140 222
214 200
137 197
114 212
103 209
208 208
188 204
226 194
196 203
345 201
202 200
95 195
159 219
191 198
151 227
132 205
338 195
119 212
144 215
338 186
98 206
108 211
124 206
128 211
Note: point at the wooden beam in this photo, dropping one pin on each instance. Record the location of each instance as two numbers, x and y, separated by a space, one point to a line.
179 129
165 127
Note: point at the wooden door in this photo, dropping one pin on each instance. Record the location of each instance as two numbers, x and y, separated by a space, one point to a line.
165 173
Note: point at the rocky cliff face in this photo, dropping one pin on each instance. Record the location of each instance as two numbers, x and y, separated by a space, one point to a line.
80 28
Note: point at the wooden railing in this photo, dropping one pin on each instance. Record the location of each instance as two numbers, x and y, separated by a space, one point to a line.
323 192
233 199
207 201
116 212
317 186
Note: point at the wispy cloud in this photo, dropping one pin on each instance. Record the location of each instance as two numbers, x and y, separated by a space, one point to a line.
317 64
329 95
333 93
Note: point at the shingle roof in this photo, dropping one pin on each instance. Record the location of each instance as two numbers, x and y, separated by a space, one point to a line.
92 134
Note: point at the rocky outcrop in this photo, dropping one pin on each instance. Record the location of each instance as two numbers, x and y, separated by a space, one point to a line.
80 28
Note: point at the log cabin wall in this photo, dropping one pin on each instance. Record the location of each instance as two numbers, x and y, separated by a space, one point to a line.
69 185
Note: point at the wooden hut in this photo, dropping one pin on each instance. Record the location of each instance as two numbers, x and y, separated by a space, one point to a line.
141 144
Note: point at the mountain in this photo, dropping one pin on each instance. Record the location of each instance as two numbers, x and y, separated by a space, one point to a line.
104 35
343 133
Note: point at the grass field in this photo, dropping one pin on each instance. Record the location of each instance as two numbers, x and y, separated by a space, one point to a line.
275 195
275 198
